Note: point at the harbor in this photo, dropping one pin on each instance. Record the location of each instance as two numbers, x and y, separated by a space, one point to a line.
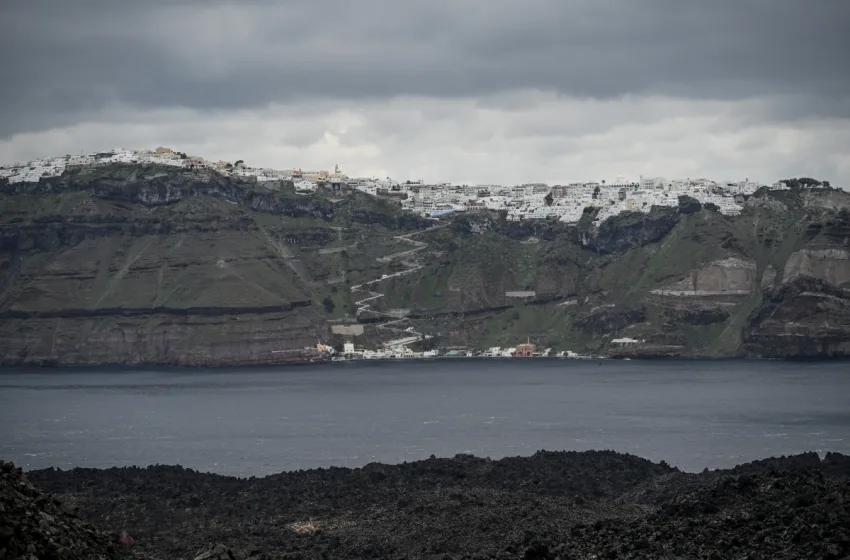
525 350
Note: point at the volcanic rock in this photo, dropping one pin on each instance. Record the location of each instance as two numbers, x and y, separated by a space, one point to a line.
222 552
36 526
550 505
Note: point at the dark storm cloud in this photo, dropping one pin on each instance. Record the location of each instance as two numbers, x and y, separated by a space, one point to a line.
65 59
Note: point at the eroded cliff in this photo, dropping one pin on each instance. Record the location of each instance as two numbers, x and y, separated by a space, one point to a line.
128 264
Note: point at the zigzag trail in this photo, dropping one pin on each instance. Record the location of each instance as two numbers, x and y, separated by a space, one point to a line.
363 305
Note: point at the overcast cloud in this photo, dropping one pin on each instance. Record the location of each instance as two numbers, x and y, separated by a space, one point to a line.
474 91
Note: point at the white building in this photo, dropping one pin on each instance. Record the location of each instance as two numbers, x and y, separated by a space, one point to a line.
651 183
425 194
521 202
305 186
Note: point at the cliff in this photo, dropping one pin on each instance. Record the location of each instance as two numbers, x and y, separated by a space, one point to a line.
132 264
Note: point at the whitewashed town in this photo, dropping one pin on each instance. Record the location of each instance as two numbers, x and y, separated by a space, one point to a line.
565 202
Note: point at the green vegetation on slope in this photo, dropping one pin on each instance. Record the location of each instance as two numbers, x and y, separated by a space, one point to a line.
171 266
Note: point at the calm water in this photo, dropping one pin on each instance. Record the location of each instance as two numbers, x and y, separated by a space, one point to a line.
258 421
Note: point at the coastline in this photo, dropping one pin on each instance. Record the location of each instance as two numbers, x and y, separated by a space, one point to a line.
9 365
691 413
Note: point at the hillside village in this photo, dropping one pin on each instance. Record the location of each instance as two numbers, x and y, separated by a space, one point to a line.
565 202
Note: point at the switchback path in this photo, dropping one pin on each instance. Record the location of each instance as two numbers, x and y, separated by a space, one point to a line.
363 305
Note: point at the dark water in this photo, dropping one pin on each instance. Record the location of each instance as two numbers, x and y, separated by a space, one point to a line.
258 421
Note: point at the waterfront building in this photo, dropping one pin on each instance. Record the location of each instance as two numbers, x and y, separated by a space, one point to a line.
525 350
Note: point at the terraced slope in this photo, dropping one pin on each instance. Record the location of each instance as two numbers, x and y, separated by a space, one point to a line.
770 282
112 265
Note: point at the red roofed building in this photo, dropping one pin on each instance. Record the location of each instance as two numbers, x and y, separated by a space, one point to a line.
525 350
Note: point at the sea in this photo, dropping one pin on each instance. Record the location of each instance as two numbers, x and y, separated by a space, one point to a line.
256 421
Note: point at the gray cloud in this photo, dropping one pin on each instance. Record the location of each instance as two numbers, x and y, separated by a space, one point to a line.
514 137
71 59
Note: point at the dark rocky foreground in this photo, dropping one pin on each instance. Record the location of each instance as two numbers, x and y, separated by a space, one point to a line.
551 505
35 526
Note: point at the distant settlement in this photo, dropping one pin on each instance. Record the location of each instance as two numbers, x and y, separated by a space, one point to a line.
565 202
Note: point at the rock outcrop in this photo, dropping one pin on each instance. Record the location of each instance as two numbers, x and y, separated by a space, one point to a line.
35 526
631 229
781 515
830 265
804 318
729 276
151 185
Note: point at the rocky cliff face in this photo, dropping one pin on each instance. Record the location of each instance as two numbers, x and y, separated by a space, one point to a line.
681 281
806 317
128 264
140 264
634 229
831 265
151 185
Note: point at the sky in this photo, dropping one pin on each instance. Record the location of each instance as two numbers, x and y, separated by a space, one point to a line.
473 91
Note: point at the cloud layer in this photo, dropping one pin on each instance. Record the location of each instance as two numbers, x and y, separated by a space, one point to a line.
489 90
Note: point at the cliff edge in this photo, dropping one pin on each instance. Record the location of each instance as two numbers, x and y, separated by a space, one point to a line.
144 264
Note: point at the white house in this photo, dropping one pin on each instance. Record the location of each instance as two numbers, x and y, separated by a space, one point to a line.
305 186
